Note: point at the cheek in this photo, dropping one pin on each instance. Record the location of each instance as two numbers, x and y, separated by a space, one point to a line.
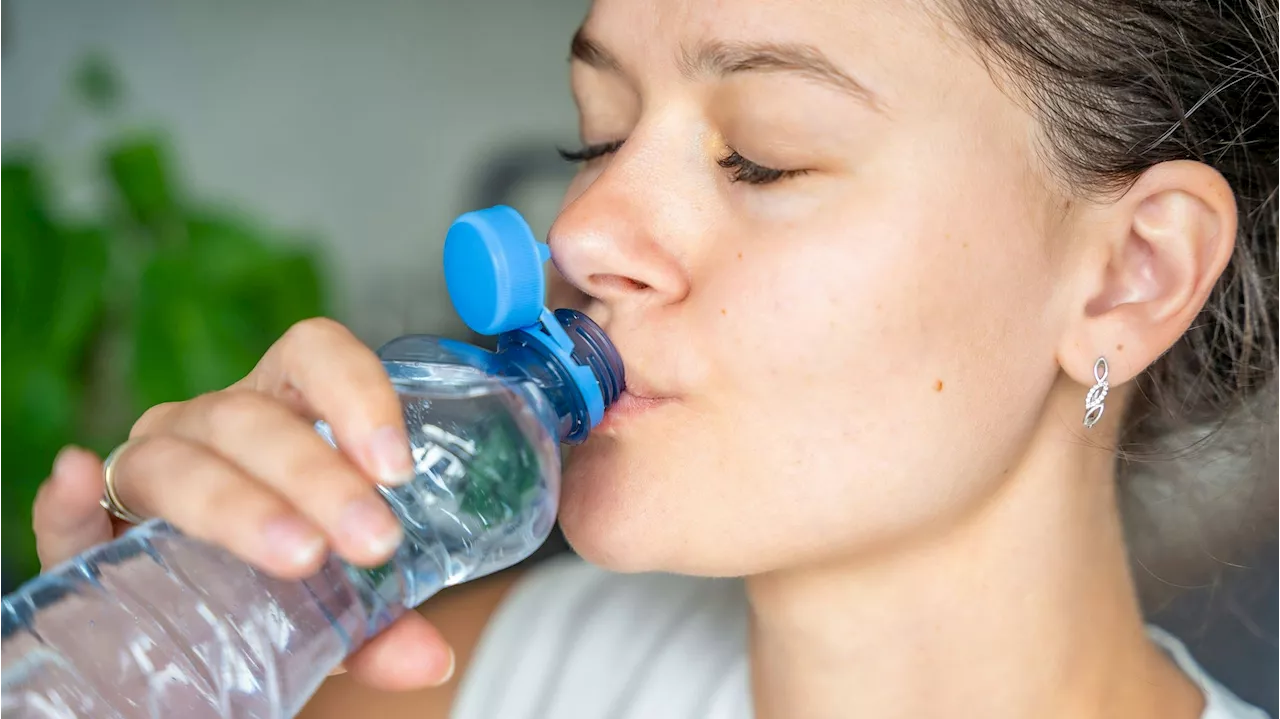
883 378
923 289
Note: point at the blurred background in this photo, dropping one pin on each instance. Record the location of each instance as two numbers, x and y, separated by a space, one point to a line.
184 179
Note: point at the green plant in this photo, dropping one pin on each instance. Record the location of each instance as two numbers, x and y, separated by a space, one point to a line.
153 297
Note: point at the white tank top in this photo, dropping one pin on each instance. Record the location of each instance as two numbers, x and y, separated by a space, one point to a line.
571 641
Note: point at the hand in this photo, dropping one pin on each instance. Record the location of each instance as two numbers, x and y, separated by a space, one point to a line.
244 468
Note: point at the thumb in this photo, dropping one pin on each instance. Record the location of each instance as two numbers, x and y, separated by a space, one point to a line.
66 517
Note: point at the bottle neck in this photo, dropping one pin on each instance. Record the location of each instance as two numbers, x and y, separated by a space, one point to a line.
524 359
571 359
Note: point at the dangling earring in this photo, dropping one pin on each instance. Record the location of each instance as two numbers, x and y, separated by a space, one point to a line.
1094 401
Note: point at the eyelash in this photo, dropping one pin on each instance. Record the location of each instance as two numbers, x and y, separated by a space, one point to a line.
743 170
590 152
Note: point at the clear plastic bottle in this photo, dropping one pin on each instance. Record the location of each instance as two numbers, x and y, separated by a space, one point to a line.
156 624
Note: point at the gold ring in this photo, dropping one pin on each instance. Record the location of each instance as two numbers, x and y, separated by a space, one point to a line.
110 499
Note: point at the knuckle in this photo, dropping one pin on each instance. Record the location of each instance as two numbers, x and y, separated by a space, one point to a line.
314 331
321 336
152 419
159 452
235 408
144 481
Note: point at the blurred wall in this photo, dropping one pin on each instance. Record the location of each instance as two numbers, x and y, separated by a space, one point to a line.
367 124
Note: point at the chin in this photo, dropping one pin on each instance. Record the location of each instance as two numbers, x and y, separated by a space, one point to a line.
628 508
611 508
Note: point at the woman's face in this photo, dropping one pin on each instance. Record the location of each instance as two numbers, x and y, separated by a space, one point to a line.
839 356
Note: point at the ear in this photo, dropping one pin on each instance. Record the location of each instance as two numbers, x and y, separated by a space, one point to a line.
1160 249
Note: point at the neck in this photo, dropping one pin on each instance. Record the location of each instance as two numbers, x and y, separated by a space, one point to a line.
1025 608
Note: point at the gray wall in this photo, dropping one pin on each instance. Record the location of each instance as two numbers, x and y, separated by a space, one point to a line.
365 123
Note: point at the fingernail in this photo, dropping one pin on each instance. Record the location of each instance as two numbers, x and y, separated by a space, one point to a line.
294 540
388 453
453 666
369 522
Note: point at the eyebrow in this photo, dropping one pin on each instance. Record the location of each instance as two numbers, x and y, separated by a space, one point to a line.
590 52
727 58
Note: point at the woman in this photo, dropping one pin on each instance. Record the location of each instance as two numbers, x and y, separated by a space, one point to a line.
865 262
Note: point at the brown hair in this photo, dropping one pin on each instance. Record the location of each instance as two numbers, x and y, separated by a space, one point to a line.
1120 86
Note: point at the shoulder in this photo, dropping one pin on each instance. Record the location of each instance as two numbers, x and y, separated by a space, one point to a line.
573 640
1219 702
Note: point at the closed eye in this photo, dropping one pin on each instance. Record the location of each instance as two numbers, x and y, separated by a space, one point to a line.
745 170
587 153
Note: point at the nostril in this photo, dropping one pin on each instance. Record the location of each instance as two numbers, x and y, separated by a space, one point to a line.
617 283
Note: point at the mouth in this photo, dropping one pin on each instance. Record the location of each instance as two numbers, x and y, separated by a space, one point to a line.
629 406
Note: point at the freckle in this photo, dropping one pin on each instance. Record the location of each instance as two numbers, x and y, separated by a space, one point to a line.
723 311
739 255
1119 348
879 306
965 245
937 386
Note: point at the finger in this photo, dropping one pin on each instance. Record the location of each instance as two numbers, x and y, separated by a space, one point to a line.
410 654
278 448
321 365
207 497
66 517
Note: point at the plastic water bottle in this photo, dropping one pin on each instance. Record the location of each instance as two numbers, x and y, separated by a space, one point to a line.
156 624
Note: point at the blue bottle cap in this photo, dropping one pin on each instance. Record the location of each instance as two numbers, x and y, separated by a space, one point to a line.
493 270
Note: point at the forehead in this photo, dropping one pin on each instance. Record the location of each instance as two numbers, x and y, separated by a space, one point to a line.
672 18
897 46
938 93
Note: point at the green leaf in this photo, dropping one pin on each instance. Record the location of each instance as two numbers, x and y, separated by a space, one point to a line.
79 289
227 248
187 339
48 399
291 290
209 309
278 286
52 285
140 174
30 255
97 83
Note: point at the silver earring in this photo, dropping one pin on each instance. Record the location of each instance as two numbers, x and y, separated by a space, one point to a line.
1094 402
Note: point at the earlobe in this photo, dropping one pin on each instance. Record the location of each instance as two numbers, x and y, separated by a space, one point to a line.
1166 242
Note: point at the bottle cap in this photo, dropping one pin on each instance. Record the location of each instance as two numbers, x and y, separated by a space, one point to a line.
493 268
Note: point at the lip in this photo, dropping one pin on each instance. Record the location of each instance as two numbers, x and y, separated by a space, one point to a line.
628 406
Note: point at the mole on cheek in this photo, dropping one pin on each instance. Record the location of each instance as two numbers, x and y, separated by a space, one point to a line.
937 385
1119 348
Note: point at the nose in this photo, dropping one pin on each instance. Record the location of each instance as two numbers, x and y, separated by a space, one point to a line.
608 244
